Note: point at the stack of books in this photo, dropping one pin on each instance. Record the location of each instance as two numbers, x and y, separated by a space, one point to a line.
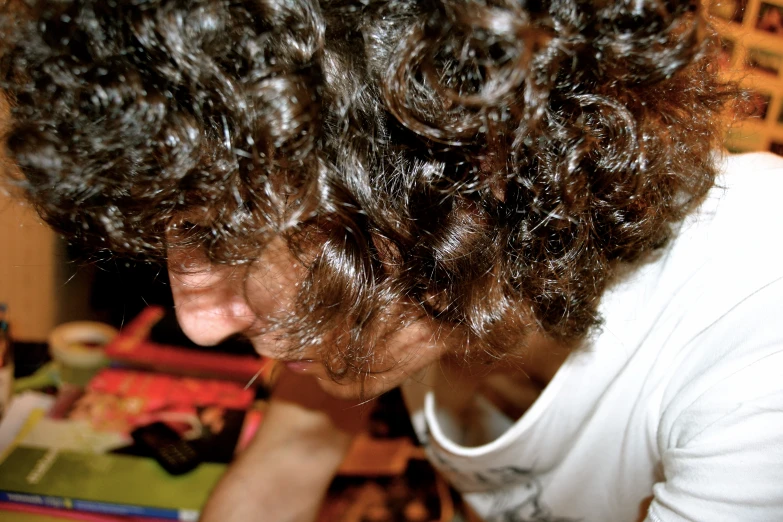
81 455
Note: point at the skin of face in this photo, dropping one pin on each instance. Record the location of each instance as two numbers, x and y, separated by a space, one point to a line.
216 302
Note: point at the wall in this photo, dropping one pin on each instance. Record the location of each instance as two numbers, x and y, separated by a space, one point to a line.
752 38
27 271
32 267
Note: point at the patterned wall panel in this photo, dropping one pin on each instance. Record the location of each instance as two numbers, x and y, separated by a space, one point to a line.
751 34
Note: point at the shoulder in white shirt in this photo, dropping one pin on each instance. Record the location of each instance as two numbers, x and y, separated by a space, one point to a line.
679 394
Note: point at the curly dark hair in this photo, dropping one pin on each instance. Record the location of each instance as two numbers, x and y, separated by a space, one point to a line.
486 163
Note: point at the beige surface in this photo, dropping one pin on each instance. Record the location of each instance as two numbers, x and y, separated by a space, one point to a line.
27 271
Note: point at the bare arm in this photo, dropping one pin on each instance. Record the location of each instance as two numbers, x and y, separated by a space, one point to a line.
283 475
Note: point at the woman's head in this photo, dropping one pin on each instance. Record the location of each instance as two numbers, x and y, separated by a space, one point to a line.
475 167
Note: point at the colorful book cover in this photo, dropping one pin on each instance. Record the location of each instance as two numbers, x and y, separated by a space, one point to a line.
215 415
81 455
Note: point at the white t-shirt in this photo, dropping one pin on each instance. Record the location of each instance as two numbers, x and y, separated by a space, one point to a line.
679 395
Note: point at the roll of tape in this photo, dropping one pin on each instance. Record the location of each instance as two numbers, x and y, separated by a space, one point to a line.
79 344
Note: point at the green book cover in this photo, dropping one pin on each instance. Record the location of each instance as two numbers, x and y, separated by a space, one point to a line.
107 478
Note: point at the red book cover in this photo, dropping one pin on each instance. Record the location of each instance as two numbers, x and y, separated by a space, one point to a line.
217 414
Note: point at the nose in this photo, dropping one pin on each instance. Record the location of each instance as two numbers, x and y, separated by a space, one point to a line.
209 300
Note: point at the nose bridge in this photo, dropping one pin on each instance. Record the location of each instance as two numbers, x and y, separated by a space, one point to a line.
210 302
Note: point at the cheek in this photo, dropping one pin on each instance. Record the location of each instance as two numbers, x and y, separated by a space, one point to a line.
274 281
269 292
403 355
416 346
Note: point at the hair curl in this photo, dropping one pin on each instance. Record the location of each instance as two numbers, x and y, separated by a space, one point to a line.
487 163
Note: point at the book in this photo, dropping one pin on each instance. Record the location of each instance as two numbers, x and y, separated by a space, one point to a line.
70 514
80 454
104 483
